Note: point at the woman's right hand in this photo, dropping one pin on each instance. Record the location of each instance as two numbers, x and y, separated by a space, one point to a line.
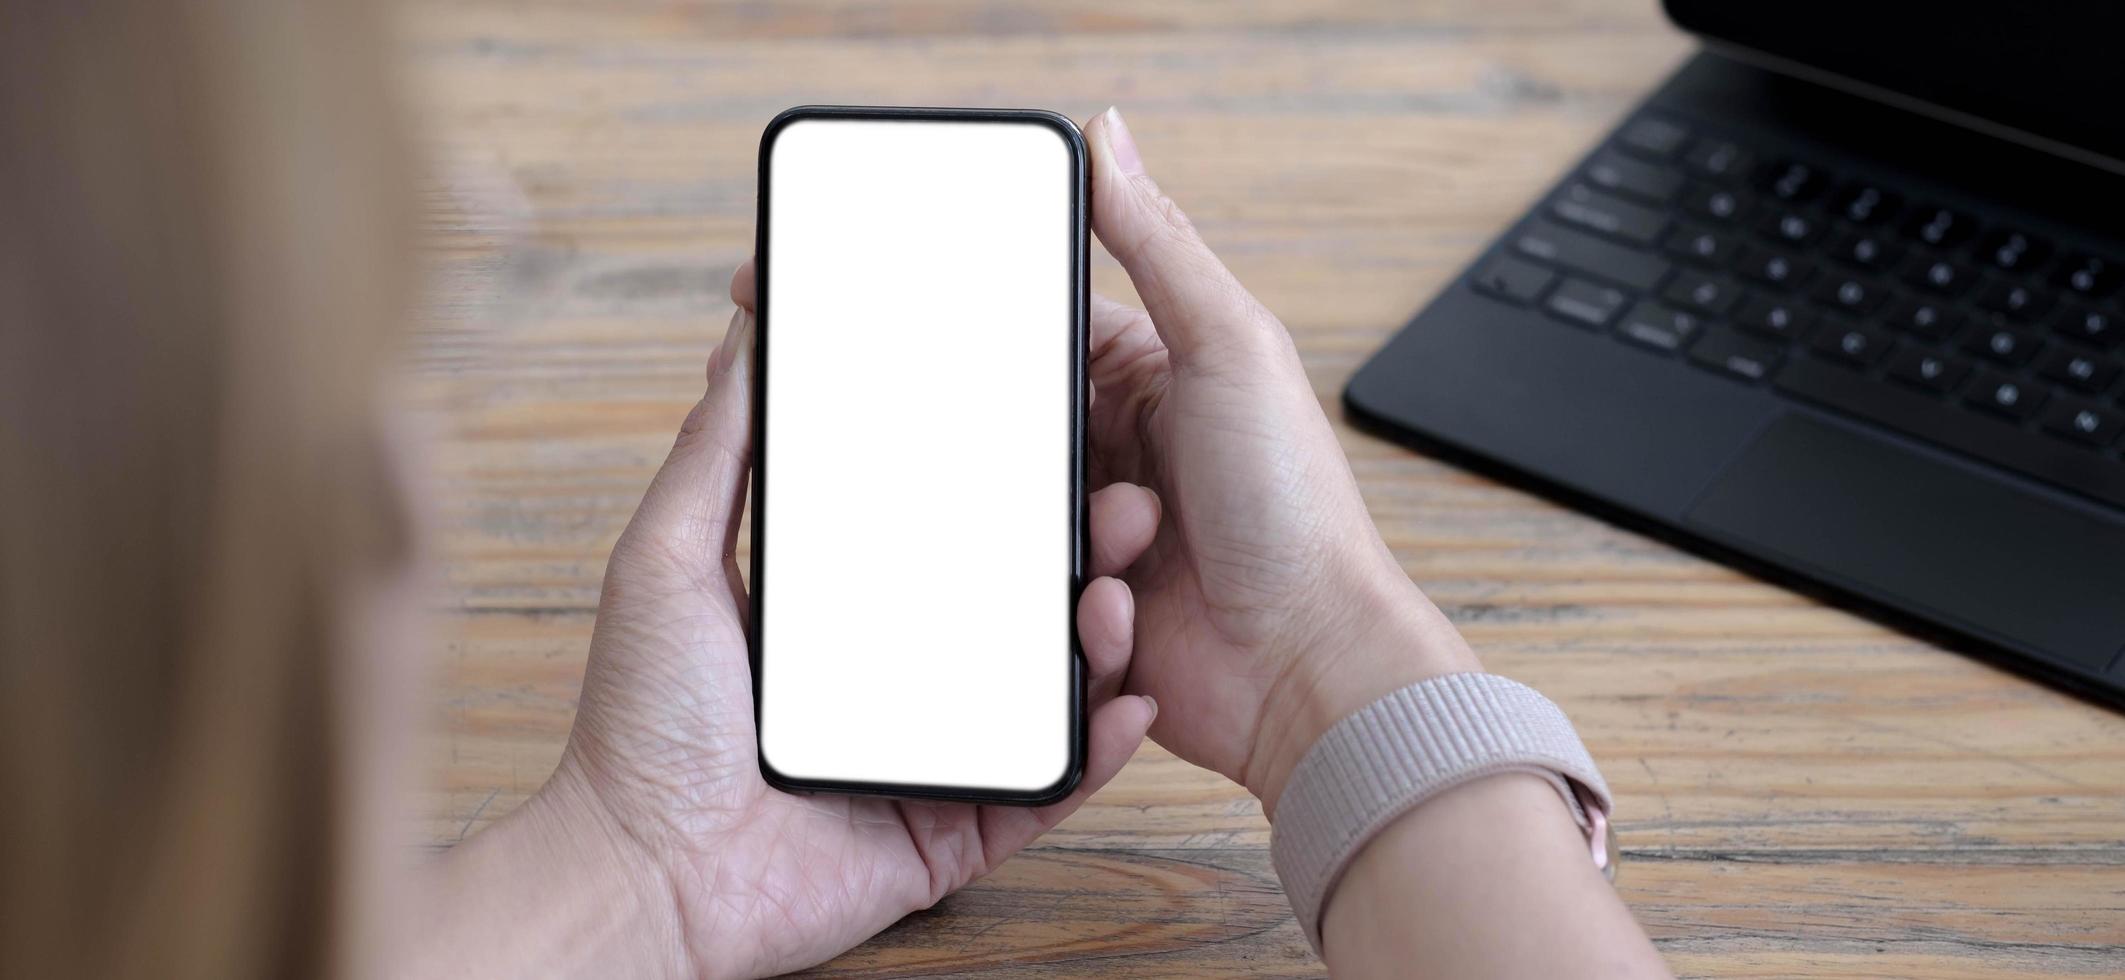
1268 607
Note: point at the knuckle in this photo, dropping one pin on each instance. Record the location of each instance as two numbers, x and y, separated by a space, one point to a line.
695 423
1175 220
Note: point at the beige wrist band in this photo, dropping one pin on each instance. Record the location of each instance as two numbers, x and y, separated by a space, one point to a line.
1395 753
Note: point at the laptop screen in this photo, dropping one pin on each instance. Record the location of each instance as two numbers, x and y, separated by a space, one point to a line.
2052 69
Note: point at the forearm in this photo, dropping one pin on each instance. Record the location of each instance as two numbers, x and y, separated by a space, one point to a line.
1489 879
549 890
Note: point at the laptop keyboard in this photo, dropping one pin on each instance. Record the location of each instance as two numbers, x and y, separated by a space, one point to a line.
1837 290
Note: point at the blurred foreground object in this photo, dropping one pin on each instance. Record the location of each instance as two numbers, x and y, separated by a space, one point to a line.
199 267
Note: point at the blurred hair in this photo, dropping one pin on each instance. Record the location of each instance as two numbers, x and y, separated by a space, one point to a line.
199 271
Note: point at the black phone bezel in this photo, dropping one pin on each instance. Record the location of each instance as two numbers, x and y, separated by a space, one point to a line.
1080 542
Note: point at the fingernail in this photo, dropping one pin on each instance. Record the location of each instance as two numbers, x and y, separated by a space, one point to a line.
1153 702
1125 155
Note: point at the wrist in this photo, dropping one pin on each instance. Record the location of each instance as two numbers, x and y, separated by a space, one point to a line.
1382 635
555 888
643 922
637 877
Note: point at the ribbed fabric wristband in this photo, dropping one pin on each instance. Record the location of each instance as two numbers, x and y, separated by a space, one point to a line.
1408 746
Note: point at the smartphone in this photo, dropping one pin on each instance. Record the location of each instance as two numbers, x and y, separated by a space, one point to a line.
919 450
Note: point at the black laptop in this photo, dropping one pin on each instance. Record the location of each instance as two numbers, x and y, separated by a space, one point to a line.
1841 303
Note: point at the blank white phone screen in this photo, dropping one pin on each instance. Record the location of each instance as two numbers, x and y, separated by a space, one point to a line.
917 551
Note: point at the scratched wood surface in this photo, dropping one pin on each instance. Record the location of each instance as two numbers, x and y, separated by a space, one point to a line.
1803 792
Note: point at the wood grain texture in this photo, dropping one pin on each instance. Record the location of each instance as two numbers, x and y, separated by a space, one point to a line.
1802 791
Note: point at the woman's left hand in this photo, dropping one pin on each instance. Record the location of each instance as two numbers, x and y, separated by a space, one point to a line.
663 759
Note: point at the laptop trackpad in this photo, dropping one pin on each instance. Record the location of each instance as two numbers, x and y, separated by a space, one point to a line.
1866 513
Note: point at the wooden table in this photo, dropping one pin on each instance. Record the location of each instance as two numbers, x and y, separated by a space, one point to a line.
1802 791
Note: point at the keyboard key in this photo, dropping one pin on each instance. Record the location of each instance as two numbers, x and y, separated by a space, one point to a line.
1850 342
1927 369
2014 300
2084 421
1925 317
1709 295
1794 182
2012 250
1653 137
1866 249
1864 204
1719 160
1775 268
1937 275
1721 204
1849 294
1620 174
1699 245
1658 326
2007 345
1512 280
1610 215
1585 303
1784 319
1789 227
2089 326
2004 395
1940 227
2079 369
1724 350
2092 276
1956 429
1573 251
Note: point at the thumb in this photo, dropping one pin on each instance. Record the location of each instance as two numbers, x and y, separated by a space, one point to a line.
688 520
1196 304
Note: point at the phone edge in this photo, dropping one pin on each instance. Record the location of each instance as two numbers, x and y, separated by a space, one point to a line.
1080 532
